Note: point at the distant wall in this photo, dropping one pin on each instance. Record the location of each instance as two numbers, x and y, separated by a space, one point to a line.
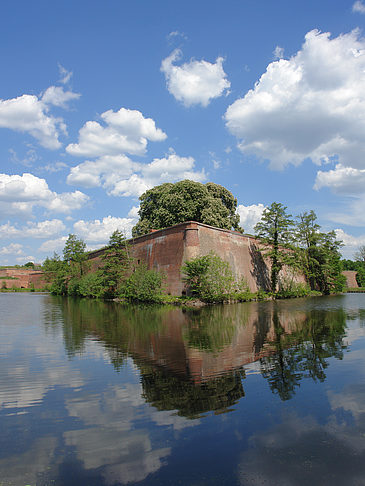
351 281
166 250
21 278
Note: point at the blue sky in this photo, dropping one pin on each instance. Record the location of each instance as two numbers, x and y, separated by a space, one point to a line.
101 100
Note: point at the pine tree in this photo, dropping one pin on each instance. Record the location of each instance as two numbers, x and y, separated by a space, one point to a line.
274 230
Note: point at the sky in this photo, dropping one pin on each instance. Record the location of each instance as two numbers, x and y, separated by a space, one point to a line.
102 100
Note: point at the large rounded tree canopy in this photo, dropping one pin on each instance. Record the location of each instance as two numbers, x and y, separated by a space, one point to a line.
170 204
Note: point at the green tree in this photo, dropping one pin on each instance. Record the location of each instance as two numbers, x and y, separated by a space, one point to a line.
307 239
74 254
170 204
117 264
274 230
56 271
330 278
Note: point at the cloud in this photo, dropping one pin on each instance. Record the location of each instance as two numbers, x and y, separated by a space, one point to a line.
195 82
310 106
352 243
19 193
126 131
310 444
278 52
31 156
65 74
42 229
54 167
12 249
133 213
28 114
120 176
249 216
55 245
342 180
99 231
105 171
111 419
172 36
358 7
55 95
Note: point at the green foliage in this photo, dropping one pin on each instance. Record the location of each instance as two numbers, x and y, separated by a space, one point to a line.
117 264
56 273
91 285
29 265
274 230
303 247
318 254
210 278
74 254
358 266
144 285
170 204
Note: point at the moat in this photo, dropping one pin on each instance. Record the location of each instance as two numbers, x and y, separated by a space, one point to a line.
95 393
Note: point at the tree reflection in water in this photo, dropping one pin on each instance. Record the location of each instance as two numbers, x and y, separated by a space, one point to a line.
304 353
193 361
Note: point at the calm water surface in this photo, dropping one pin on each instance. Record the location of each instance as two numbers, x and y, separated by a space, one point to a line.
95 394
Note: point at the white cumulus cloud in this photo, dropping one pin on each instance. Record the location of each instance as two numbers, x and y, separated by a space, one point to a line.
19 193
342 180
55 245
351 243
14 249
105 171
99 231
42 229
120 176
250 216
29 114
194 82
55 95
126 131
310 106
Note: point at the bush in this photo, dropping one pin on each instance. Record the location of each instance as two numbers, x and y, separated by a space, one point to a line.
91 285
288 289
144 286
210 278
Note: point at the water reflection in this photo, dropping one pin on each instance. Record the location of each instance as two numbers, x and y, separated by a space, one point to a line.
304 352
100 394
193 361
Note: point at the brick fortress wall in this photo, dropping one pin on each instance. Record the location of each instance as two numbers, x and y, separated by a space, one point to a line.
21 278
166 250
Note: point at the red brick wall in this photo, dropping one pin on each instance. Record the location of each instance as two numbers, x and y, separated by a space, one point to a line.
22 278
167 249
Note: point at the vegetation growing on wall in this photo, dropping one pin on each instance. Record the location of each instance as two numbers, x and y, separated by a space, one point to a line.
117 277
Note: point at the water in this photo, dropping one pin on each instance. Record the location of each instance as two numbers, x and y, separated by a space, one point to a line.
96 394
